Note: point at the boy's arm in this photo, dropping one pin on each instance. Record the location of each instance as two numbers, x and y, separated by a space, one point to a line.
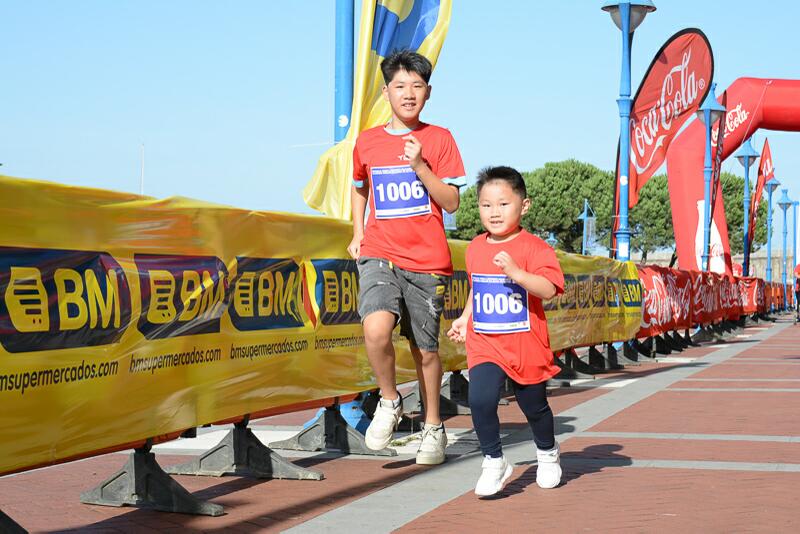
536 285
358 203
443 194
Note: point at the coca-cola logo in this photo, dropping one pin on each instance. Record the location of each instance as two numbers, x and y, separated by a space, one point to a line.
657 310
733 119
680 297
679 96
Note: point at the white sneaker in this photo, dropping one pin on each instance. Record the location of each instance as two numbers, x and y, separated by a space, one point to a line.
434 440
494 475
548 473
383 425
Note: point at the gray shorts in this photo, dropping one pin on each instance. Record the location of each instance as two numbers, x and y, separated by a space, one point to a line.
416 299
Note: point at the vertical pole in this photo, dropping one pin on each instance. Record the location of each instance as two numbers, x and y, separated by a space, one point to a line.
585 217
794 246
783 256
707 170
343 87
745 256
769 234
624 102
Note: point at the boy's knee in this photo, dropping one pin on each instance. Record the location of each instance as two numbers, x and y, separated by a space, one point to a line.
426 357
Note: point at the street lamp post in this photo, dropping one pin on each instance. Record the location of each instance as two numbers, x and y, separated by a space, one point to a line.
343 82
588 218
784 202
794 246
746 156
709 113
627 16
771 186
551 240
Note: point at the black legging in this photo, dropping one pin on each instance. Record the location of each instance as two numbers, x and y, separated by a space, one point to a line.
485 381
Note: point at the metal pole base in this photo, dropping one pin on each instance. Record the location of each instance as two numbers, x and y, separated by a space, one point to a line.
644 349
9 526
687 339
626 357
141 482
330 431
662 347
599 361
241 453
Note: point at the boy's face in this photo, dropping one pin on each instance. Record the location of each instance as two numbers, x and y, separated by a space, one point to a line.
501 209
407 93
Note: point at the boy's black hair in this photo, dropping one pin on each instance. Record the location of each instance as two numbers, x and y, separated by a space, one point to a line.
408 61
507 174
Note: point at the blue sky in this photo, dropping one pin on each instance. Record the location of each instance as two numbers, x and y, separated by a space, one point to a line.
234 101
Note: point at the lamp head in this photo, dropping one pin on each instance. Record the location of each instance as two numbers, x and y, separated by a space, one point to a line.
710 103
772 185
746 154
639 9
784 202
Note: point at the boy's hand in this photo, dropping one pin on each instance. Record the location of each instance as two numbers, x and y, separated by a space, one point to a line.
458 330
354 248
507 264
413 151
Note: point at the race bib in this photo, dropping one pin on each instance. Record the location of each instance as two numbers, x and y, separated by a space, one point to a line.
398 193
499 305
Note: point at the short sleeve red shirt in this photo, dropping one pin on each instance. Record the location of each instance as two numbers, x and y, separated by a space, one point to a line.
523 352
405 224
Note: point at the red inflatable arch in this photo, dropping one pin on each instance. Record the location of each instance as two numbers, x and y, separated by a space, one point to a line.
752 103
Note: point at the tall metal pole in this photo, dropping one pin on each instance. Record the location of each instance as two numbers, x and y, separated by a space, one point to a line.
794 245
783 256
585 216
343 86
769 233
745 259
623 233
707 171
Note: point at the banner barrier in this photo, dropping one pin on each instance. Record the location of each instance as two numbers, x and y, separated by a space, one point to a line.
125 318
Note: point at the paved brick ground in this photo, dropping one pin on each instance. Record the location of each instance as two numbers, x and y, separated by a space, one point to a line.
716 451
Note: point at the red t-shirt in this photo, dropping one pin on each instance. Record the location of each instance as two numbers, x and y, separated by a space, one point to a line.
501 330
405 224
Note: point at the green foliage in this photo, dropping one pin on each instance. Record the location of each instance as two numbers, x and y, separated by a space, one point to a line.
557 191
733 195
651 218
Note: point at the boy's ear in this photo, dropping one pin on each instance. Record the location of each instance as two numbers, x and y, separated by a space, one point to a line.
428 93
526 205
385 91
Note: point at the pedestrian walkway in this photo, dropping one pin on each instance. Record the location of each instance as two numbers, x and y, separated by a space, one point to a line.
704 441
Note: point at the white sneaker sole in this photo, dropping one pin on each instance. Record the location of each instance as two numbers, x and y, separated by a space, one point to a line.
499 486
430 460
377 444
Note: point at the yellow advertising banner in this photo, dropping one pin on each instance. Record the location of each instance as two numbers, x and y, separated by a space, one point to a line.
124 318
602 302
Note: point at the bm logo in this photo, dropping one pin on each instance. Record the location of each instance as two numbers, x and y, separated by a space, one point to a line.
456 295
267 294
337 291
181 295
56 299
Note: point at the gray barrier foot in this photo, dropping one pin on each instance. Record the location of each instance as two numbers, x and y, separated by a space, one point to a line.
644 348
241 453
623 357
573 361
9 526
662 347
456 392
679 340
687 338
702 335
599 360
567 372
330 431
447 406
141 482
406 424
672 343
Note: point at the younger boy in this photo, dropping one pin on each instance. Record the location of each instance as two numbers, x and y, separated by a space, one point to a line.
510 271
408 171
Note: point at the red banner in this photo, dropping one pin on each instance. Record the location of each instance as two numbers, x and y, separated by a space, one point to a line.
751 292
671 91
766 172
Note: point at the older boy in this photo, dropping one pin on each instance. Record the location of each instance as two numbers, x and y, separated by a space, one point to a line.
408 171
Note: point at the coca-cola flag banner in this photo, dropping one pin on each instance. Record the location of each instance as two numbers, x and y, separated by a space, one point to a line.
671 91
766 172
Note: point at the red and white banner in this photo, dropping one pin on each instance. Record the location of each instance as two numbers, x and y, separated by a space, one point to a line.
766 172
673 88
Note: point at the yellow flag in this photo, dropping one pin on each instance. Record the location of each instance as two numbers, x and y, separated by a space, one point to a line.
386 26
